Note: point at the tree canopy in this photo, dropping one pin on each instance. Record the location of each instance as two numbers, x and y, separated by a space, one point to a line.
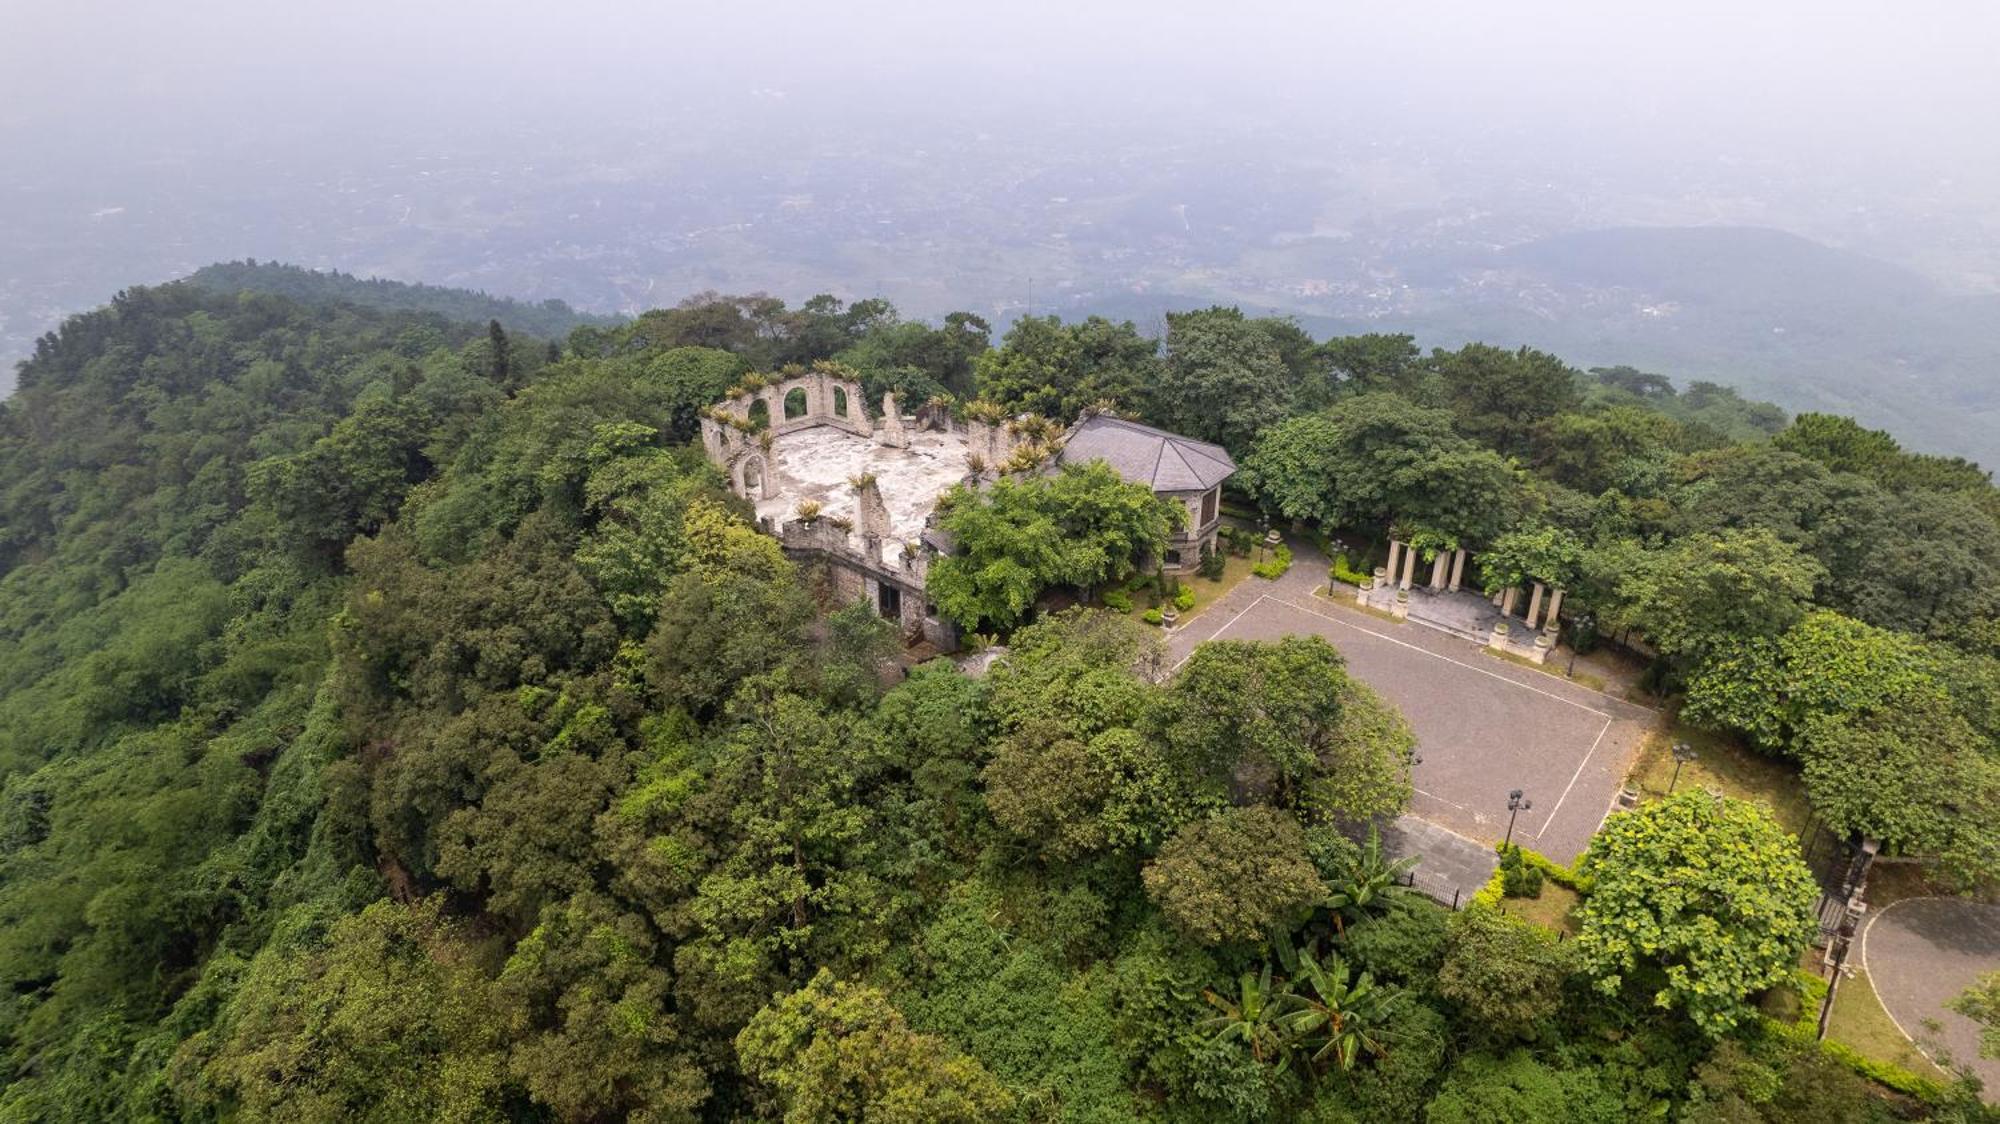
400 719
1697 901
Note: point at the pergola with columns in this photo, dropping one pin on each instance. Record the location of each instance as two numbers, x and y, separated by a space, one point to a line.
1447 575
1504 600
1447 567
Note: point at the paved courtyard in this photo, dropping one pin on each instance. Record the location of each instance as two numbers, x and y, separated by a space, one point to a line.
1920 953
1483 726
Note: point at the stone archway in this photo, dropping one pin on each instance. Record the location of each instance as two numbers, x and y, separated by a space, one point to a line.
797 405
840 401
760 413
751 472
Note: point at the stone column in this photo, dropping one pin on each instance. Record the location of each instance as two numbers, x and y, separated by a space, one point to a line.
1555 608
892 424
1457 568
873 511
1535 606
1437 571
1507 600
1395 557
1409 566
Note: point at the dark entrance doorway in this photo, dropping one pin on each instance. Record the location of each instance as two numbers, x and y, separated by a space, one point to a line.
889 600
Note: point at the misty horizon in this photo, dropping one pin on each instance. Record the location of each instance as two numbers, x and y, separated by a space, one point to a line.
1348 167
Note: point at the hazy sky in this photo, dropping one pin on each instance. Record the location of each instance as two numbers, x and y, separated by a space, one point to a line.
1906 82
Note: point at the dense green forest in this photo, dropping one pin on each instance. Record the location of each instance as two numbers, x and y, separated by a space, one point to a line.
550 319
399 720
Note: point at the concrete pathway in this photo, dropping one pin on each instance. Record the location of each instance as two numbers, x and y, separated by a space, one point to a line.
1450 867
1921 953
1484 726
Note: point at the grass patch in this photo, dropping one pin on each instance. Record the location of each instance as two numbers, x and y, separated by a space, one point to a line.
1581 678
1861 1023
1724 765
1344 599
1206 592
1555 910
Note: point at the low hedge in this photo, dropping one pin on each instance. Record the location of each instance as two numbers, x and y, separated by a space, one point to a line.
1281 560
1804 1030
1561 875
1496 886
1340 573
1885 1074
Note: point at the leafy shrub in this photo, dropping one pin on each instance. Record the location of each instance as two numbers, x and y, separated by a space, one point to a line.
1184 600
1281 560
1404 946
1153 616
1520 1086
1212 562
1118 601
1518 877
1341 573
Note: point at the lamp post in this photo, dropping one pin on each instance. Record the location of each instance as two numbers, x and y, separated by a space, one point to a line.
1515 804
1683 753
1583 623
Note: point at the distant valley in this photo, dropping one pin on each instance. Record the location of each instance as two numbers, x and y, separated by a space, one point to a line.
1690 279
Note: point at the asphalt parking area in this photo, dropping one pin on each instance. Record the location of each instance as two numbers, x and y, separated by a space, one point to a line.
1483 727
1921 953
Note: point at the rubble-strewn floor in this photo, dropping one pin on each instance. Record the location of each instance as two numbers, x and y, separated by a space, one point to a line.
817 463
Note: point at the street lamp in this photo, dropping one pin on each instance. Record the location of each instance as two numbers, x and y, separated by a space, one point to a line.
1515 805
1683 753
1583 623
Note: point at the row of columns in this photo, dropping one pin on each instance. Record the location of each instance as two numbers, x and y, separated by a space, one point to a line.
1505 600
1447 570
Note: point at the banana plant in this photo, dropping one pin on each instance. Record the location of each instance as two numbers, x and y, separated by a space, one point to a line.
1371 884
1333 1015
1252 1017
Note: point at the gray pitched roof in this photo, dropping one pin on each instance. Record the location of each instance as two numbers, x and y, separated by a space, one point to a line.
1144 455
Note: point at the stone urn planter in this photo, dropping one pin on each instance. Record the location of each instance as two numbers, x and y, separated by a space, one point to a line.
1402 608
1499 638
1168 617
1381 574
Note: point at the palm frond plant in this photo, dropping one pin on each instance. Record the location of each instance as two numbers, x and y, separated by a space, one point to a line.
1332 1015
1252 1016
1372 883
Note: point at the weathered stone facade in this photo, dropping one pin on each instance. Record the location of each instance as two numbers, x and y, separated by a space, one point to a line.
856 572
855 492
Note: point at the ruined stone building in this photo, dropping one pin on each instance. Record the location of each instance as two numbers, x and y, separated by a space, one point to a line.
856 490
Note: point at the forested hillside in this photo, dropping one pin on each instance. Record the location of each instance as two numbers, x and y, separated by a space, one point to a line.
399 720
548 319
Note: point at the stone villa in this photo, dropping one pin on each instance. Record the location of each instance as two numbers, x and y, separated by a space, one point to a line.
856 491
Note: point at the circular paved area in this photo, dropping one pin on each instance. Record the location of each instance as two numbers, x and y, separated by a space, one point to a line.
1923 952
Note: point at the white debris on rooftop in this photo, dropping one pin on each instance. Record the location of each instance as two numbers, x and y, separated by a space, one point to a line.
817 463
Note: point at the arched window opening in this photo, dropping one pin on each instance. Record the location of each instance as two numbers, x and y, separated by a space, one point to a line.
840 401
795 403
760 414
